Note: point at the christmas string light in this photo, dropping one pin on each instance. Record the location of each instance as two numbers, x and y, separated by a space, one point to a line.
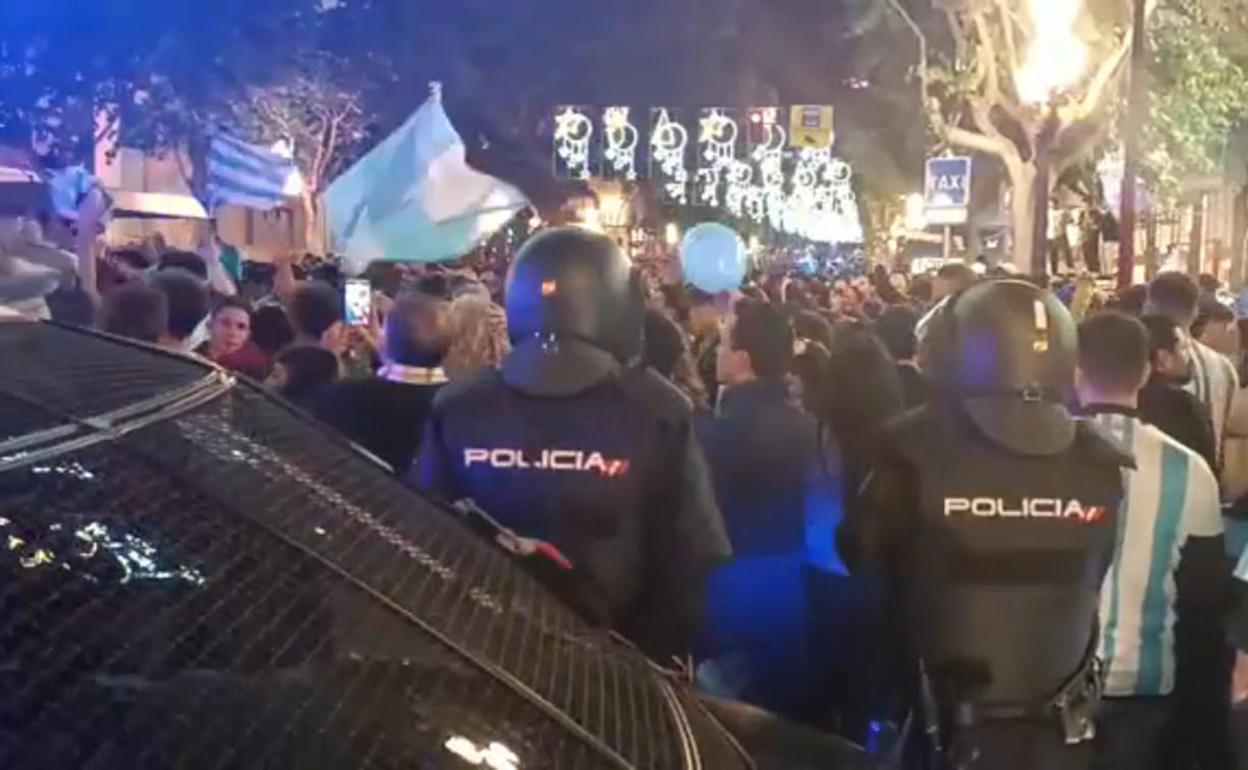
668 141
737 176
767 200
573 132
821 206
621 142
717 149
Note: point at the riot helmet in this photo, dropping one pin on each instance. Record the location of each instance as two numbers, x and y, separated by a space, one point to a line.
573 284
1005 352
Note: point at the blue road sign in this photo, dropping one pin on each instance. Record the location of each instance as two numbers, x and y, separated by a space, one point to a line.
947 191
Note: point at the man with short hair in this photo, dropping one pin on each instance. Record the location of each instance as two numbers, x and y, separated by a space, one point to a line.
896 329
780 505
1163 402
1216 327
951 278
387 414
315 311
1162 602
136 311
1214 381
188 304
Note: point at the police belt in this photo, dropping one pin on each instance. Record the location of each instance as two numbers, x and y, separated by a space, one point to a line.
1074 704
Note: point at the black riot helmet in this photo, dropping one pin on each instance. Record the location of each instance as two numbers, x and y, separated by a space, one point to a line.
1005 352
573 284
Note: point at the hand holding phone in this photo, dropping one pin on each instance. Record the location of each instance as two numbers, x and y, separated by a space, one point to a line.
357 301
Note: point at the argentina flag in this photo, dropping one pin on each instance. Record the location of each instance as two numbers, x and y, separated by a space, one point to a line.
246 175
414 198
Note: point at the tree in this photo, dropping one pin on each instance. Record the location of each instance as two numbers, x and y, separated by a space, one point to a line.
65 64
1198 89
258 71
323 120
971 89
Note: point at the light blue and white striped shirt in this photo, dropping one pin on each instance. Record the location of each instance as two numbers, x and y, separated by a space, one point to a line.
1171 495
1214 383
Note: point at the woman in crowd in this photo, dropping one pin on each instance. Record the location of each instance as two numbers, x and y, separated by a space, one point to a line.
858 393
478 337
229 343
667 352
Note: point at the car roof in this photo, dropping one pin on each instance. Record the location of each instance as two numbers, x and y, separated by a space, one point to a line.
186 545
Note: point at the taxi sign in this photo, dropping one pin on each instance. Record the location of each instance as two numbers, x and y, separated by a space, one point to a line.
947 190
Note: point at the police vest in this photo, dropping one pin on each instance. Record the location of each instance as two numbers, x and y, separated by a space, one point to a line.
1009 554
586 472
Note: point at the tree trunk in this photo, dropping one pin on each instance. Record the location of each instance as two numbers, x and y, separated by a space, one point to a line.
1239 239
1023 197
1196 238
1150 245
314 224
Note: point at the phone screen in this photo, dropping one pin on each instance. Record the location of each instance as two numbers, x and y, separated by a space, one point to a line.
358 301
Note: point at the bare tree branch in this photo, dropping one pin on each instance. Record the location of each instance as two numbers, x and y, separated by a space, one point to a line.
970 140
900 10
996 145
1007 26
1105 75
988 59
959 36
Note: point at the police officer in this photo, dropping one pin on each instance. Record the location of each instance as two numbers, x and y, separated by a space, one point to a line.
571 443
991 515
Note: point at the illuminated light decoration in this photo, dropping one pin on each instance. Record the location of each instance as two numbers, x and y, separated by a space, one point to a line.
620 137
495 756
669 142
1056 57
574 131
717 151
821 206
671 236
737 188
767 200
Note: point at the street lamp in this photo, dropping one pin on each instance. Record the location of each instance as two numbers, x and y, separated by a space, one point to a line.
1056 58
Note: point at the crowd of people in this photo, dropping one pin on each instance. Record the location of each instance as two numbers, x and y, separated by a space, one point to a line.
779 400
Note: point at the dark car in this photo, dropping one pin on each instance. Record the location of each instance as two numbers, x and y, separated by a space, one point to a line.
193 575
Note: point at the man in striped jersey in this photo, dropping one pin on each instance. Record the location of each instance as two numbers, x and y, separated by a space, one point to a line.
1214 381
1161 639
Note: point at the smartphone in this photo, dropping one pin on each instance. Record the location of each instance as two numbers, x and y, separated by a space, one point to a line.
357 295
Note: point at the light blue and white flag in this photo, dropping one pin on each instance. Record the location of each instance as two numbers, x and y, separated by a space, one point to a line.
246 175
414 198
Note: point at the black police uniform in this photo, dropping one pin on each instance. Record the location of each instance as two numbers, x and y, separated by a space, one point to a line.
567 444
993 515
